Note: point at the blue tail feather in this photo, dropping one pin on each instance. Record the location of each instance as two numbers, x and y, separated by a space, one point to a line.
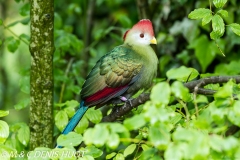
75 119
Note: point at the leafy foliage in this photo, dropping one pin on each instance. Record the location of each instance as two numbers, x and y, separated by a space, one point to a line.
174 124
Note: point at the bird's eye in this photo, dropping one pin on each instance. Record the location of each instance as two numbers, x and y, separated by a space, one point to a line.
141 35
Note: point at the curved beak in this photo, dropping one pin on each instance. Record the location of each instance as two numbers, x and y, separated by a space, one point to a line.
153 41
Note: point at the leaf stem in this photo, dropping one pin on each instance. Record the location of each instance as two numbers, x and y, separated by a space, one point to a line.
7 28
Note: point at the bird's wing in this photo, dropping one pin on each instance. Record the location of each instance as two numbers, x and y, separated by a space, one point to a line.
111 76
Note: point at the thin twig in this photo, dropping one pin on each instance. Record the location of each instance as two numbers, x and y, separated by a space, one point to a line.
219 48
185 108
64 84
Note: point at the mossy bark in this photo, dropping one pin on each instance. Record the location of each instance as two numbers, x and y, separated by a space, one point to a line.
41 81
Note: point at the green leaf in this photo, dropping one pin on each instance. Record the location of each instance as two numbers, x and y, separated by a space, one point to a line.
218 27
113 141
117 127
155 114
111 155
4 131
129 150
235 28
22 104
70 139
199 13
119 156
159 136
101 135
3 113
97 136
174 151
92 151
219 3
135 122
223 13
182 73
82 125
72 103
94 115
24 84
205 51
158 96
61 120
183 134
207 19
226 91
24 36
1 42
12 44
25 9
145 147
23 21
24 135
180 91
1 22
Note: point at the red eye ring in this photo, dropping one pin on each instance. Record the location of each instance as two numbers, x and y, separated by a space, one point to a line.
141 35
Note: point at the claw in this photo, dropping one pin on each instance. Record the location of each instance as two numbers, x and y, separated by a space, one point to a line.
124 99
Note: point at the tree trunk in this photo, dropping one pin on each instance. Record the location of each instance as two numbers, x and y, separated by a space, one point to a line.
41 76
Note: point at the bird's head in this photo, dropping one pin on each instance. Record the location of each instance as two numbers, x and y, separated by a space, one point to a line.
140 34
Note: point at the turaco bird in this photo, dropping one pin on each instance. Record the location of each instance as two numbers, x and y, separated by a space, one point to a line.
120 73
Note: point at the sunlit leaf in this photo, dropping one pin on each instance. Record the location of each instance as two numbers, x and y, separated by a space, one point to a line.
70 139
182 73
111 155
3 113
207 19
161 93
225 91
24 135
218 27
119 156
199 13
4 131
134 122
61 120
235 28
179 90
159 136
94 115
223 13
82 125
113 141
92 151
129 150
219 3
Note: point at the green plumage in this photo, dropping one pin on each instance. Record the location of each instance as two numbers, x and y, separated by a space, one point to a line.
125 64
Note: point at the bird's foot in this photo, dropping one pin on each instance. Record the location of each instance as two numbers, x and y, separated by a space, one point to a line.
124 99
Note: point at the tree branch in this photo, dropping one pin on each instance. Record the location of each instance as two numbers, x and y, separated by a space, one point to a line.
193 86
143 11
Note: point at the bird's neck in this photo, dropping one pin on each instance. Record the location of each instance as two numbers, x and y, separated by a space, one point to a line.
145 51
